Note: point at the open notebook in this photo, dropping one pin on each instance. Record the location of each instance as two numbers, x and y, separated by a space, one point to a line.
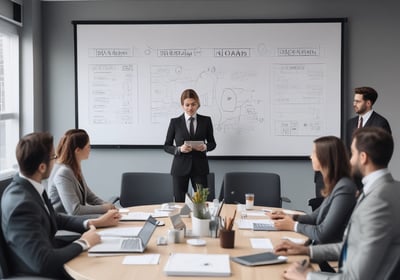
135 244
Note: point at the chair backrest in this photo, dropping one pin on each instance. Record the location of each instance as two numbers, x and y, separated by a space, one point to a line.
4 268
211 186
141 188
265 186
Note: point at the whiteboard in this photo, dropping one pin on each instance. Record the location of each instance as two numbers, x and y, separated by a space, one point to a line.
270 88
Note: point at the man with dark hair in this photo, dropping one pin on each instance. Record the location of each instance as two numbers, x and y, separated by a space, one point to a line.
364 99
28 220
371 242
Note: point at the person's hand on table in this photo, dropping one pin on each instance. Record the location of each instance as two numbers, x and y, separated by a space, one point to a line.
290 248
298 271
109 219
90 237
284 223
109 206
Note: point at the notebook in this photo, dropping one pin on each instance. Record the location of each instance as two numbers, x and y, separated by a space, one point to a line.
182 264
135 244
260 259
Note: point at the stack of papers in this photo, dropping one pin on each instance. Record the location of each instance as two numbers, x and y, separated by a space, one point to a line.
181 264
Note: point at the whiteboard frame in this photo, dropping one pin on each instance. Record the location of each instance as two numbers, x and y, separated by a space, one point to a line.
342 21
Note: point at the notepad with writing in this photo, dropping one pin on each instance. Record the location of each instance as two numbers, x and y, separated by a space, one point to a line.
260 259
186 264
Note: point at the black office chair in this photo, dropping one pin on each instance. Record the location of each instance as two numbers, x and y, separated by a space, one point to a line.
265 186
5 267
142 188
211 186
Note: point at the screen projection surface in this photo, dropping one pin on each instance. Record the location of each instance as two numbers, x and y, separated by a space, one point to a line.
270 88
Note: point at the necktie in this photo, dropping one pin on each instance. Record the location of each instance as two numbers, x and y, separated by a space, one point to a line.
50 211
191 127
48 203
360 122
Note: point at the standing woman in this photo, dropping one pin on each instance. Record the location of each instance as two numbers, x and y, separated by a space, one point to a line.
68 190
190 161
327 223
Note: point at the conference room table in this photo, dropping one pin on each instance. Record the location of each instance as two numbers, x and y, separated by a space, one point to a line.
111 267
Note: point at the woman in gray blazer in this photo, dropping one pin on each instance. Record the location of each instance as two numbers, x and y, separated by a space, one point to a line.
327 223
68 190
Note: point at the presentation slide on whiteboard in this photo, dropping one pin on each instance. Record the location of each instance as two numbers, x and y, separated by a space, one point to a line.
270 88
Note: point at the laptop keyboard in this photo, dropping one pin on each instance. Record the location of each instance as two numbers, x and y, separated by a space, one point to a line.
131 243
263 227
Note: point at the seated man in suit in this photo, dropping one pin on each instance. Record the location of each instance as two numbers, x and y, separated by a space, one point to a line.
371 242
29 222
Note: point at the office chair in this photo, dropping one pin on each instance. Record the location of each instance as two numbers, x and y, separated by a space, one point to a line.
211 186
5 267
142 188
315 202
265 186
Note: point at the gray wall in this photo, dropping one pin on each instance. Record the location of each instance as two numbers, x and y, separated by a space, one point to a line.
372 58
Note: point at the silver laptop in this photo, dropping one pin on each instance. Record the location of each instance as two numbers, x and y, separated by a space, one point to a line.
134 244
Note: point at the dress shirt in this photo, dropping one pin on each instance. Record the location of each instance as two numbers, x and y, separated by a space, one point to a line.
368 180
366 117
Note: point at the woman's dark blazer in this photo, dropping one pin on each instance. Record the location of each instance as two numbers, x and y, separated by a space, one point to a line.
195 162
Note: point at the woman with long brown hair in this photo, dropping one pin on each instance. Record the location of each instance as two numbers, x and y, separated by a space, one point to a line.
327 223
68 190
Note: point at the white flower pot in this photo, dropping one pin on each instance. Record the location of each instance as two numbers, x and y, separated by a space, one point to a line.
200 227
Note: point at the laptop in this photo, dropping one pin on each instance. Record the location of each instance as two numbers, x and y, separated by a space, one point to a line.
134 244
212 265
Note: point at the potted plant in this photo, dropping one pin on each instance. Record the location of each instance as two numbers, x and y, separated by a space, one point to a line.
201 216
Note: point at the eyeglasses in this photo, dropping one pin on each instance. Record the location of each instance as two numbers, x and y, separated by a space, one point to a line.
53 157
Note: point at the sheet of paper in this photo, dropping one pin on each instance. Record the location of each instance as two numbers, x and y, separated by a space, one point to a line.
261 243
120 232
142 259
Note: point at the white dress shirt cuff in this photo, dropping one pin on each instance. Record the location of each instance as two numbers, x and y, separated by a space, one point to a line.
83 243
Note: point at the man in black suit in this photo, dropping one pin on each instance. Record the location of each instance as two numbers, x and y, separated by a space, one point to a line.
364 99
28 220
190 161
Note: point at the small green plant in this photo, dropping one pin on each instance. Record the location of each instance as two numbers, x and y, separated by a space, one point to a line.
201 194
199 198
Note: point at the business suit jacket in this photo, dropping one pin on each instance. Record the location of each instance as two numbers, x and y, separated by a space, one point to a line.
373 237
327 223
195 162
71 197
374 120
29 230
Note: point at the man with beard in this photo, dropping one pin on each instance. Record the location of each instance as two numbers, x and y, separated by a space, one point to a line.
364 99
371 242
